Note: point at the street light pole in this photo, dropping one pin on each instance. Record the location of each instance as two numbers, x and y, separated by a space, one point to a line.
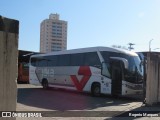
150 45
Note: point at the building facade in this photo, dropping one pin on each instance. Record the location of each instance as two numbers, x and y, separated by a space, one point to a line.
53 34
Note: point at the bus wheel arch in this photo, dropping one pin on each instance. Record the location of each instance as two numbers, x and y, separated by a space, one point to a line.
45 83
96 89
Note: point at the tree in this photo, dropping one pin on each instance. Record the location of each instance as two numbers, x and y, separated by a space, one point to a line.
119 46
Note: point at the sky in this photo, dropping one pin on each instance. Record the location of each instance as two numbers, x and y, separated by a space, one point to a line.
90 22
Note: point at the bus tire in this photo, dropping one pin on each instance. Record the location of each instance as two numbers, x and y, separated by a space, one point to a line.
96 89
45 83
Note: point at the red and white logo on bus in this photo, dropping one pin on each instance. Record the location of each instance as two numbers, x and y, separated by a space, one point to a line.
86 72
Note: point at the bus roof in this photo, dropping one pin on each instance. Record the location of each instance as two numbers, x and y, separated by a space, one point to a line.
89 49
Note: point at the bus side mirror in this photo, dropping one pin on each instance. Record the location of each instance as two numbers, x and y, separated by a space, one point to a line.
125 61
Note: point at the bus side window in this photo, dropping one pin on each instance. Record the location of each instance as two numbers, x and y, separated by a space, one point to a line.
105 69
92 59
33 61
41 62
63 60
77 59
25 65
52 60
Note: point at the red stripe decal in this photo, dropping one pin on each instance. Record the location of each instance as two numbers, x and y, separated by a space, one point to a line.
86 72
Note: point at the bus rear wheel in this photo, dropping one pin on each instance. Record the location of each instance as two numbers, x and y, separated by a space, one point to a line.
95 89
45 84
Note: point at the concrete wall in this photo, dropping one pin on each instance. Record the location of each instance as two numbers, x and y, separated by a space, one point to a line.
153 79
8 63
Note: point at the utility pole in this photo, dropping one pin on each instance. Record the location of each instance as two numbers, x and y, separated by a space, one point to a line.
130 46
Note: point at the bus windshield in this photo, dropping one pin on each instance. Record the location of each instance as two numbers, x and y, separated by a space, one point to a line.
134 72
137 62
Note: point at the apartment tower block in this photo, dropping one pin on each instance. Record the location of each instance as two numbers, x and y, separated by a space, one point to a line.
53 34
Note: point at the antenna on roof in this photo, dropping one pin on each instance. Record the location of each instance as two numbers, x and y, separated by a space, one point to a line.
130 46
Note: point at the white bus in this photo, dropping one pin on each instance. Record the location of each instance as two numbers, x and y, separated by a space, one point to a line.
98 70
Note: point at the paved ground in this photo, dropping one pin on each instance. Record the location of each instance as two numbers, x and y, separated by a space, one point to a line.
32 98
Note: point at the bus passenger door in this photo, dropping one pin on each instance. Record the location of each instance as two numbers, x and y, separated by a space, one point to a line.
116 76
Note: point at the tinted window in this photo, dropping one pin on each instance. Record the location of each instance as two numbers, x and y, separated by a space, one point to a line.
105 55
63 60
38 61
77 59
33 61
51 60
92 59
106 69
25 65
41 62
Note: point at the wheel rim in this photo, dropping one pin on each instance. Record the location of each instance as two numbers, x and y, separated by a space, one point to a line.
97 91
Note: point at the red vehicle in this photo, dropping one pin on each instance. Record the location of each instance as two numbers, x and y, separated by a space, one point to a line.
23 73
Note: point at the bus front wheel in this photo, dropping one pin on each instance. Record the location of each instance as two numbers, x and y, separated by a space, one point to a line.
95 89
45 84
